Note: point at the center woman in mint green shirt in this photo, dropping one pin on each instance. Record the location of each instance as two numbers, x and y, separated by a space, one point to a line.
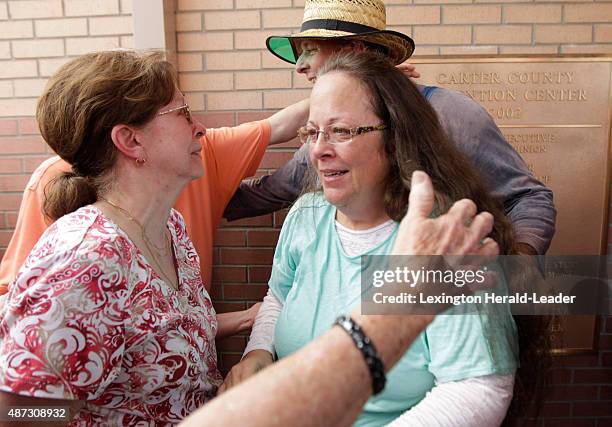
369 126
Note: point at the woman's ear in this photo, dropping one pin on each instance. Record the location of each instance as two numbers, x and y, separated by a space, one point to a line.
125 139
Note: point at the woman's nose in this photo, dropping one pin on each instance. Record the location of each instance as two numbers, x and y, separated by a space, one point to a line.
199 130
321 147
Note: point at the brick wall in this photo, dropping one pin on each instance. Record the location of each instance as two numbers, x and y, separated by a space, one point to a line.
229 78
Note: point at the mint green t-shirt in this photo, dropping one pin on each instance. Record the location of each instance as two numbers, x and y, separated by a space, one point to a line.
316 281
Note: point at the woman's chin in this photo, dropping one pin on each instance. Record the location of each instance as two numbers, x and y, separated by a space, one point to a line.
335 197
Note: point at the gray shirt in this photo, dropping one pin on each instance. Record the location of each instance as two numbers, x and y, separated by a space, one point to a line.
527 202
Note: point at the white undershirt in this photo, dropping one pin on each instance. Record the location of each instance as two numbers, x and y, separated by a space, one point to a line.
478 401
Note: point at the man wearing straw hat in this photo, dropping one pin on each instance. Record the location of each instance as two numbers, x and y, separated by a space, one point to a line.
330 26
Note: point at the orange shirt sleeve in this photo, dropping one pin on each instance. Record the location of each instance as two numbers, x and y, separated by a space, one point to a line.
229 155
31 223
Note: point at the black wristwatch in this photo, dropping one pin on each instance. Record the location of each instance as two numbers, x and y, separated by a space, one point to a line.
368 350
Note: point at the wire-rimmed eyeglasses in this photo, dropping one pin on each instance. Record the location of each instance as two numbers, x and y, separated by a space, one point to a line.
186 111
334 134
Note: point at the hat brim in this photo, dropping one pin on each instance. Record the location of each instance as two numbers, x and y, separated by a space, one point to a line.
397 46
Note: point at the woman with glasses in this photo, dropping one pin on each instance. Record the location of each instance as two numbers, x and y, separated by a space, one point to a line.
369 128
108 316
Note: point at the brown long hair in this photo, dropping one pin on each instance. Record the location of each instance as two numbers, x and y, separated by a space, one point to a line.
414 139
82 102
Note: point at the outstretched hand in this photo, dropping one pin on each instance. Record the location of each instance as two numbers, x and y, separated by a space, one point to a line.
461 231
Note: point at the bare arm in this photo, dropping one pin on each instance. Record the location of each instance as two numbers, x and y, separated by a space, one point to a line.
287 121
271 192
236 321
325 383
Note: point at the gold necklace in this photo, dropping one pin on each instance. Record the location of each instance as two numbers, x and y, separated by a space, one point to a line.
144 239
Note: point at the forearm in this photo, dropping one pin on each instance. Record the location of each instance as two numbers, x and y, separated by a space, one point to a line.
232 323
287 121
277 397
271 192
480 401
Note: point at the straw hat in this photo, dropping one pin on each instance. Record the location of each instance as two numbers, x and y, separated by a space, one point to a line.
344 19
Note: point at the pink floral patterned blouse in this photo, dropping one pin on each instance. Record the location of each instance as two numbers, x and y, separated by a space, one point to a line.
88 318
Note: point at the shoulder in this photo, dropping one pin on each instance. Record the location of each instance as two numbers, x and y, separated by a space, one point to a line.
46 171
462 118
177 223
447 101
74 247
313 202
250 130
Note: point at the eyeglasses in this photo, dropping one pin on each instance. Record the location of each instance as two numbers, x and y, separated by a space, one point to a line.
185 109
334 134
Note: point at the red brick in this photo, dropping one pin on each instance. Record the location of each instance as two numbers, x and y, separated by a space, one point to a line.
279 217
8 127
608 319
11 219
10 201
252 116
559 376
28 126
5 237
227 360
214 290
30 163
22 145
234 343
275 159
571 393
577 361
573 422
606 392
606 358
605 342
257 221
255 256
225 307
244 292
262 238
593 409
293 143
593 376
216 120
604 423
230 238
229 274
13 182
10 165
555 409
259 274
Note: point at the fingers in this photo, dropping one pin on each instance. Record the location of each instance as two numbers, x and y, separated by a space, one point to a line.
223 387
233 378
463 211
421 199
409 70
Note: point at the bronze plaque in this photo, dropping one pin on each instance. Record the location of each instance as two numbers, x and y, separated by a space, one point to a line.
555 111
